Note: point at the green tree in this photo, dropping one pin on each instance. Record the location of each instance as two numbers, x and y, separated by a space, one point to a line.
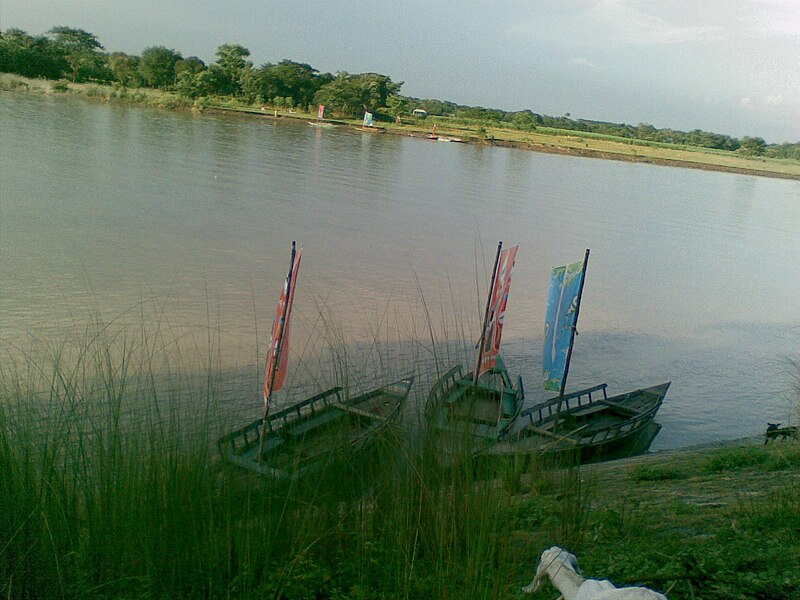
260 85
297 80
341 95
231 62
752 146
76 39
398 106
203 83
125 69
157 66
351 94
190 65
524 120
82 52
31 56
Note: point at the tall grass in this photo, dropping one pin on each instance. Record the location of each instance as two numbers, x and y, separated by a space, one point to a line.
111 488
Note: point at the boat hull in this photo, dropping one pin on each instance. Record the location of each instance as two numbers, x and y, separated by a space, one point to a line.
322 124
589 425
302 438
460 412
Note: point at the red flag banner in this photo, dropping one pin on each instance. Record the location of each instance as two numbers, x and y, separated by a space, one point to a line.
321 111
278 359
497 309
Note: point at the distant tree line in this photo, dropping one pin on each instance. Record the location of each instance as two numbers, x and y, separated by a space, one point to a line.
77 55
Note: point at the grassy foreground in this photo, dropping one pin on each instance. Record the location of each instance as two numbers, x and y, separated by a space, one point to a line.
111 488
548 140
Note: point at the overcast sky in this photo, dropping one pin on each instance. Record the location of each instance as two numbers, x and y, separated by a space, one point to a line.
728 66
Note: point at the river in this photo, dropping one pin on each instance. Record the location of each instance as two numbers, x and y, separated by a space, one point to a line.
121 214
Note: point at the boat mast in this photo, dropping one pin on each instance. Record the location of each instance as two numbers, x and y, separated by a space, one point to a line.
575 325
486 316
278 349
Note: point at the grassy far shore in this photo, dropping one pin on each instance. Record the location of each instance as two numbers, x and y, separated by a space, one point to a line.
542 140
111 489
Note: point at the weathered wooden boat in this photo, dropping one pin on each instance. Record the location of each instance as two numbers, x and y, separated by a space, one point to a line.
479 408
302 438
588 422
481 413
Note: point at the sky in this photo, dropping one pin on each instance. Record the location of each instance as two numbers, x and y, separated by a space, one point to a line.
727 66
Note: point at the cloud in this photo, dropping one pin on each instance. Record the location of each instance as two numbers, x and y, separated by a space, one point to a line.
776 17
650 23
636 23
625 22
745 102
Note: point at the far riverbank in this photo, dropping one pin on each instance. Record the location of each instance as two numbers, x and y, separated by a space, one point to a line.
551 141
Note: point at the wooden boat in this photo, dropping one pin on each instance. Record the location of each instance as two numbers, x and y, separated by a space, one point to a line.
372 129
369 126
586 422
301 438
479 408
481 413
321 122
589 423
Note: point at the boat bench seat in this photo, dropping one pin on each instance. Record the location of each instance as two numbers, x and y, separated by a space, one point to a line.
473 419
467 383
359 412
484 412
326 417
589 410
462 385
626 411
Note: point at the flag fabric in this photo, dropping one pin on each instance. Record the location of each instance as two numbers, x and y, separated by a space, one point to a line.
566 283
321 111
278 358
367 119
497 309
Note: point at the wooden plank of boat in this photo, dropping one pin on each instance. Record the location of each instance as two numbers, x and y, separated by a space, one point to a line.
567 437
358 411
548 433
313 423
626 410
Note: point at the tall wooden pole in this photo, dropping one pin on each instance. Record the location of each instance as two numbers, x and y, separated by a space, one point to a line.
575 325
278 349
476 373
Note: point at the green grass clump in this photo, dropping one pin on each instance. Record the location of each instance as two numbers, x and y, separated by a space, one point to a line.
656 473
737 458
